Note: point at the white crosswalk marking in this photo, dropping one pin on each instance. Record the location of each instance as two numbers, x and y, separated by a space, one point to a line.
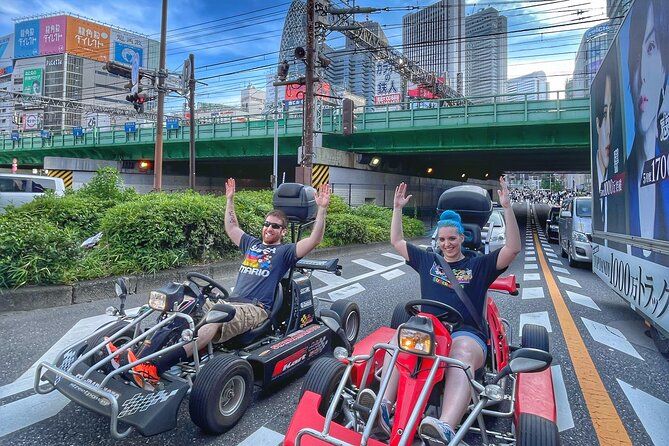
368 264
27 411
347 291
582 300
555 261
531 259
565 420
328 278
539 318
531 276
531 266
611 337
532 293
393 256
561 270
263 437
392 274
651 411
568 281
550 254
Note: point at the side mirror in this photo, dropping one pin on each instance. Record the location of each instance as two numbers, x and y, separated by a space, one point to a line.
121 287
526 360
220 313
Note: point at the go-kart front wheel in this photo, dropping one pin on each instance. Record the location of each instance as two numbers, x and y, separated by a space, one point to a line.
400 316
322 379
221 393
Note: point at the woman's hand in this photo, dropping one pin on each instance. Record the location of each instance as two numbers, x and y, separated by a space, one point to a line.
504 198
401 199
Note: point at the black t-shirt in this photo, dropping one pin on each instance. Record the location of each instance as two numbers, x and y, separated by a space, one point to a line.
475 274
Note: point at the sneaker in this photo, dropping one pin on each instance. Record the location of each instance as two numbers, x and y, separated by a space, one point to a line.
366 398
435 432
145 374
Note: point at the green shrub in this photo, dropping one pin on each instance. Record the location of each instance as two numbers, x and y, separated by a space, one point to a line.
107 186
337 205
34 251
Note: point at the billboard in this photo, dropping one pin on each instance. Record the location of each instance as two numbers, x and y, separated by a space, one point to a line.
6 54
630 160
32 81
388 84
125 45
88 39
420 91
26 39
52 35
294 94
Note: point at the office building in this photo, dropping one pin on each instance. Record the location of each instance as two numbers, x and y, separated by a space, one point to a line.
532 87
252 100
616 10
434 38
594 46
486 61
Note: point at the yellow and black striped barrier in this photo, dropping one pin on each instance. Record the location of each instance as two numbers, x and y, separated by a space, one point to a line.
66 175
320 174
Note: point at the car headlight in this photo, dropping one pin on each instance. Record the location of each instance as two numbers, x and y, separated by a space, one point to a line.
158 300
416 336
579 237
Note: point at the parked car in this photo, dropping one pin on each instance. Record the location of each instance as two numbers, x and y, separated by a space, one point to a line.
575 230
553 224
18 189
495 230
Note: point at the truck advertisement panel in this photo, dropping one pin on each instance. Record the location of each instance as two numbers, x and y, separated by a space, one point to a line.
125 45
630 161
88 39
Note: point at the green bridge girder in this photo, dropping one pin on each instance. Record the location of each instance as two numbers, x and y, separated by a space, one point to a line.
536 125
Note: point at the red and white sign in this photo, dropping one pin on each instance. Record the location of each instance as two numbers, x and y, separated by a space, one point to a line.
388 99
31 121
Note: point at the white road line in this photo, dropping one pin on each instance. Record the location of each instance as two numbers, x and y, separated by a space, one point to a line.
367 264
531 276
27 411
393 256
530 252
611 337
392 274
561 270
532 293
531 266
568 281
555 261
531 259
348 291
582 300
329 278
651 411
357 278
263 437
565 420
550 254
539 318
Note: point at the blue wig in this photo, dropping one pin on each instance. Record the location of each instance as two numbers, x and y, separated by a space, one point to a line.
451 219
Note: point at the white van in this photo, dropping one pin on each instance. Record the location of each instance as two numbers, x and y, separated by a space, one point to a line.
18 189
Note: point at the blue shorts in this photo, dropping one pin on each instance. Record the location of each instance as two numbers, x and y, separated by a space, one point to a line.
478 340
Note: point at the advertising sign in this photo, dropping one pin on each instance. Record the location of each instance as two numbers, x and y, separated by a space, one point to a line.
124 46
26 39
6 53
388 84
31 121
88 39
52 35
93 120
295 92
32 81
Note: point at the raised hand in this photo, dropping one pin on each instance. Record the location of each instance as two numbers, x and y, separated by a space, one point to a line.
401 199
504 198
230 188
323 195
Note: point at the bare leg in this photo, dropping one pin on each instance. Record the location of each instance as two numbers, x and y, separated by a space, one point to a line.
391 390
457 390
204 335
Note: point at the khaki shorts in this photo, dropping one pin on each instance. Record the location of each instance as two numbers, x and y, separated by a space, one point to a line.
247 317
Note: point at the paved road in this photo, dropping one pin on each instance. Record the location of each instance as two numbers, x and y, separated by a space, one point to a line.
627 380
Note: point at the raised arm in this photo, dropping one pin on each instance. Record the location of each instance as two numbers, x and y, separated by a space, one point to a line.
512 246
231 225
305 246
396 230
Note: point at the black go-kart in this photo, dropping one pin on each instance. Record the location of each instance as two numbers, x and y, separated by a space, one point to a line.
103 372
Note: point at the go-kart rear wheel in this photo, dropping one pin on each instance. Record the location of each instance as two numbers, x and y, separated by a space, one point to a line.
111 329
400 316
221 393
349 315
323 378
535 336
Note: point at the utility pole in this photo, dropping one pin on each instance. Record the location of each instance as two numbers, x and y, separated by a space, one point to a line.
158 155
275 158
303 171
191 106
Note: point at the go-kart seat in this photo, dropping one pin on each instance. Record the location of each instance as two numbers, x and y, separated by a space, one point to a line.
252 335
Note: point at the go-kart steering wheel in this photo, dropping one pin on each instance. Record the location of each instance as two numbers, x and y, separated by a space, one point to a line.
450 315
210 284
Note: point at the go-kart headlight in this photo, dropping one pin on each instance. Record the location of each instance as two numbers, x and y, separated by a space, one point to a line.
416 336
579 237
158 300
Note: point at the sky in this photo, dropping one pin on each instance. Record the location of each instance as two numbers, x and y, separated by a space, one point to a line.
231 39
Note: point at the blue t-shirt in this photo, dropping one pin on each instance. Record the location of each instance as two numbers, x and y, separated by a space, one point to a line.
262 269
475 274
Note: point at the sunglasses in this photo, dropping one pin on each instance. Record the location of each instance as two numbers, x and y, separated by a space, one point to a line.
273 225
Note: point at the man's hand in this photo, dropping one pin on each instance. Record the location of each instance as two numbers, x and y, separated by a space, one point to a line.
401 199
504 198
323 196
230 188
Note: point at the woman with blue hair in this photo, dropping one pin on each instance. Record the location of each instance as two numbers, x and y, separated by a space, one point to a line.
475 274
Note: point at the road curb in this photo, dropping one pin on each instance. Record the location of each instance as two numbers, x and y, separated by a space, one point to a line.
35 297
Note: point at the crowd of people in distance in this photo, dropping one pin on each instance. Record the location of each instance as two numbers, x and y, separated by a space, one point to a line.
543 196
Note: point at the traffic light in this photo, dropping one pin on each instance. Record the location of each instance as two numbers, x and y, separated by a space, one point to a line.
348 117
137 101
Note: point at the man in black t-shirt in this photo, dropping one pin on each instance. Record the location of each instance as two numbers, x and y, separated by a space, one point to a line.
475 274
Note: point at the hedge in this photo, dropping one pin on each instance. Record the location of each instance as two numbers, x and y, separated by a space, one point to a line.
39 242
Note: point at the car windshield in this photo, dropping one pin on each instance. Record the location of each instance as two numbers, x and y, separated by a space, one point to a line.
555 215
584 208
496 218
